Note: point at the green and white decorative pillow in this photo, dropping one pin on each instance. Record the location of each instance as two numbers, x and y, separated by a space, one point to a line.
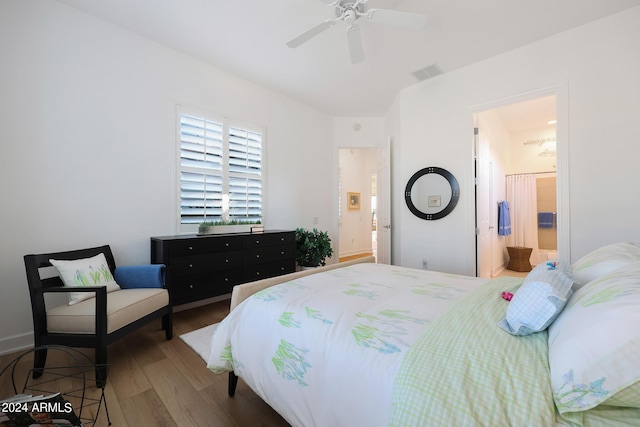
92 271
595 342
604 260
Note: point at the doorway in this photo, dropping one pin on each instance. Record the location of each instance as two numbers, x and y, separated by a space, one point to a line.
360 224
512 139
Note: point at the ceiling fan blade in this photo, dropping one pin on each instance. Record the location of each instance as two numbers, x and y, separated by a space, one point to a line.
411 21
311 33
355 44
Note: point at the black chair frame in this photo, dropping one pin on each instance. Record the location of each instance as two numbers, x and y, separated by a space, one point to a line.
101 339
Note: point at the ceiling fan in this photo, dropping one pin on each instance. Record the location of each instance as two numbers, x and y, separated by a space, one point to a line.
350 11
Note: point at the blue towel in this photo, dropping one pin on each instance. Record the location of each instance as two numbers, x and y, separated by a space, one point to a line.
504 219
545 219
140 276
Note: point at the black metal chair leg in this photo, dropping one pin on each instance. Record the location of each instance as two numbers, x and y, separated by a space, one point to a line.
233 382
101 366
39 360
167 325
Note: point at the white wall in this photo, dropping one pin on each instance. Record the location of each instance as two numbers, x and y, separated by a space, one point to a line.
431 124
525 157
87 154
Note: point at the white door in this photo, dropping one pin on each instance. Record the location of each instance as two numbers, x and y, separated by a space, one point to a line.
383 209
484 226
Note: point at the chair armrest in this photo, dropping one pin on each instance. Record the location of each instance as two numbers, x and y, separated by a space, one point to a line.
140 276
63 289
100 291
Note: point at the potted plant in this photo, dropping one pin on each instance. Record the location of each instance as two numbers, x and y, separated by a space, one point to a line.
225 226
312 247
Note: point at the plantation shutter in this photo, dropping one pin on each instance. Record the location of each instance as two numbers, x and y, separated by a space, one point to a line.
219 162
245 174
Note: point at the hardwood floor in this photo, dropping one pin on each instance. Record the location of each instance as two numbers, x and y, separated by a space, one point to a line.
154 382
349 258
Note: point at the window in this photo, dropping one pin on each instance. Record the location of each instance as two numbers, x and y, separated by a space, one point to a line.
220 170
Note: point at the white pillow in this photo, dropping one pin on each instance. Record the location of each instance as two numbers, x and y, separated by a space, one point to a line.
594 344
92 271
604 260
538 301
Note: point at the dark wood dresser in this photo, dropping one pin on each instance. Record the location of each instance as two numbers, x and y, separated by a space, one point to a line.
200 267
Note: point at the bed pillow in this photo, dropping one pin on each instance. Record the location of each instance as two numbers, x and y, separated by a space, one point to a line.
595 342
539 300
92 271
604 260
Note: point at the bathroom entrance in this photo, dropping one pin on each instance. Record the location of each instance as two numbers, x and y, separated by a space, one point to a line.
516 168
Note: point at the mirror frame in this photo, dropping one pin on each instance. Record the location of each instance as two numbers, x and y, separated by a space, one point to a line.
455 193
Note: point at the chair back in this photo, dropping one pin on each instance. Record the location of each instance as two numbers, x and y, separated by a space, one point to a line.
37 283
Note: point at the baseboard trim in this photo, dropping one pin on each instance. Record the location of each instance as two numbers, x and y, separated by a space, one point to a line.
200 303
16 343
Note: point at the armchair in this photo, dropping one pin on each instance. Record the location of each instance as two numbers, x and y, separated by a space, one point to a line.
109 314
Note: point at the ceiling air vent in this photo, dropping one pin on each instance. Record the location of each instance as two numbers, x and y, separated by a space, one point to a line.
427 72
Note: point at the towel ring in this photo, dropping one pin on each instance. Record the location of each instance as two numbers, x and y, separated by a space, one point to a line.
425 197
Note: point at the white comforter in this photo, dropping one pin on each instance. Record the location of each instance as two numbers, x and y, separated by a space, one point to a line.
323 350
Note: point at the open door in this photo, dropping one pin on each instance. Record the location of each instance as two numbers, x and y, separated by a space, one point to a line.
383 209
484 226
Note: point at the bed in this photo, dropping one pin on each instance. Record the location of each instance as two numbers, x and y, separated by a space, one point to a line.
370 344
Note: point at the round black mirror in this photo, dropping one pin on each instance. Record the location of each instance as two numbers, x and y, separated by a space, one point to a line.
432 193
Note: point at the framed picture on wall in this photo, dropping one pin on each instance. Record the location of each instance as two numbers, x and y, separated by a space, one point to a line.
353 201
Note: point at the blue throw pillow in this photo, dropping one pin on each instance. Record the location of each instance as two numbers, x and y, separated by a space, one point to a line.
542 296
140 276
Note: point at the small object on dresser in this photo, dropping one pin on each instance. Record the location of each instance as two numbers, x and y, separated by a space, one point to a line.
257 229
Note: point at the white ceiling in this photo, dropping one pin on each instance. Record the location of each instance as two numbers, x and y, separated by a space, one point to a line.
248 38
528 115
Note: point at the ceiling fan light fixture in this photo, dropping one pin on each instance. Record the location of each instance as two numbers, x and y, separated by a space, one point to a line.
351 10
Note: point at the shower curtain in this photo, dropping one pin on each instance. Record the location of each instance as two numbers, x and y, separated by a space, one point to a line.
523 202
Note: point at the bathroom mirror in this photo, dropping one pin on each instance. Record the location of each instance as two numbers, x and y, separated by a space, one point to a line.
432 193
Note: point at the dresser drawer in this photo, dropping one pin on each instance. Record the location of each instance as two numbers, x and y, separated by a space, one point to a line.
269 254
200 286
210 262
271 239
201 267
264 271
200 245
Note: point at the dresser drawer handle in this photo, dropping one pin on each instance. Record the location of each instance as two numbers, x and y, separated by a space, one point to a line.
257 242
257 273
258 256
281 252
190 286
226 260
190 265
190 248
282 239
226 244
226 279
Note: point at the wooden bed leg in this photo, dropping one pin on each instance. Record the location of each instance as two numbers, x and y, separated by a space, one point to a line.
233 381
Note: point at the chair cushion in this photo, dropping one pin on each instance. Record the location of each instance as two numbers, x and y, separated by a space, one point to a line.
123 307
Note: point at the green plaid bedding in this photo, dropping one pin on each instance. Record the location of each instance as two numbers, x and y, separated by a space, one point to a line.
466 371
